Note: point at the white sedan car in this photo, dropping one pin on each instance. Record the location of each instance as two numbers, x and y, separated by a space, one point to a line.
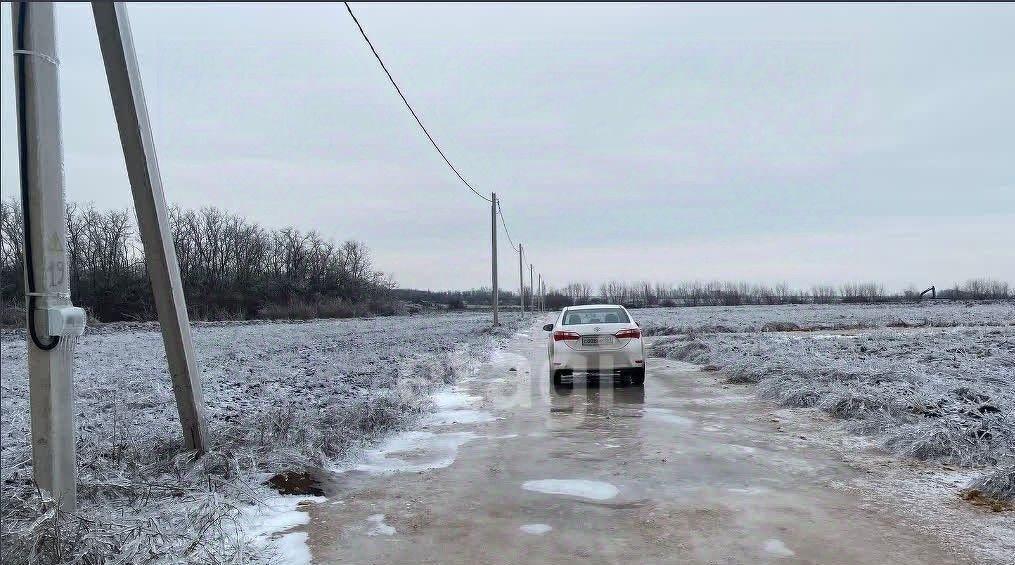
596 339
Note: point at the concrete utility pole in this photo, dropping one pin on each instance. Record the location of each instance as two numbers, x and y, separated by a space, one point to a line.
540 285
493 242
131 112
532 290
521 280
53 324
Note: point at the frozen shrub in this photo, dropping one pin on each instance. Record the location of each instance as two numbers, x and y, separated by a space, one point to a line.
1000 484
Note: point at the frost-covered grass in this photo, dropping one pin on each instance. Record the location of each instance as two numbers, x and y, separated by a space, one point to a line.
945 391
790 317
280 396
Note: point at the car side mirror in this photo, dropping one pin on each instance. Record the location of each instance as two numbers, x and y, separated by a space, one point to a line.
548 328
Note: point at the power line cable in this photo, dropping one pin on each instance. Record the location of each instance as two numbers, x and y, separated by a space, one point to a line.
503 222
409 106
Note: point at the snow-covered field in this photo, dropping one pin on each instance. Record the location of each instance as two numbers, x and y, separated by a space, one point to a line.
280 396
718 319
929 381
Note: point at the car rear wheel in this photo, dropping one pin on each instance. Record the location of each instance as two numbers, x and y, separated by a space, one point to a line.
638 376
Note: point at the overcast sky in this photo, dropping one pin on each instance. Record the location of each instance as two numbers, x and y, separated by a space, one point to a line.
799 143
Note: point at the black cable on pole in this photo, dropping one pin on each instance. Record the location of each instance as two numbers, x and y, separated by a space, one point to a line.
26 213
503 222
409 106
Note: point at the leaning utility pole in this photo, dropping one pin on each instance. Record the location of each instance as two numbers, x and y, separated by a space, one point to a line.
53 323
493 244
131 112
521 280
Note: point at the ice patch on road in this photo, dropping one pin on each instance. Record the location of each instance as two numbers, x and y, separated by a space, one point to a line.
749 491
595 490
267 524
453 408
506 359
453 399
379 527
412 452
667 415
446 417
537 529
742 448
776 547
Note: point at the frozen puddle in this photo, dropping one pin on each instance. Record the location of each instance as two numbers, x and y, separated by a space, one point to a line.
268 523
536 529
378 527
412 452
594 490
776 547
667 415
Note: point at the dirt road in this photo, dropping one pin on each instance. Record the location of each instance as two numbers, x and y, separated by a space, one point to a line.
685 470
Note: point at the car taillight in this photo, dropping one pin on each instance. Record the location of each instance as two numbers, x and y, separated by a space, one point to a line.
628 334
565 336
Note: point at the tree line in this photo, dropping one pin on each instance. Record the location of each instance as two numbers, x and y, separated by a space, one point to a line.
231 268
736 293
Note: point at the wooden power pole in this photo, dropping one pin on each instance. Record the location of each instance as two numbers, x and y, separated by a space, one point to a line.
131 112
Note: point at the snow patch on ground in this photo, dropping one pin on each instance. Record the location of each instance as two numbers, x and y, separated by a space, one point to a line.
594 490
379 528
267 525
536 529
776 547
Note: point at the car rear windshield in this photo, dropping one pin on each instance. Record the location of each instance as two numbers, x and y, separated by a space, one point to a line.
596 316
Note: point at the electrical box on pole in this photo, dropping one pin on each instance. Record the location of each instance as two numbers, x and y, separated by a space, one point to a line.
53 323
131 111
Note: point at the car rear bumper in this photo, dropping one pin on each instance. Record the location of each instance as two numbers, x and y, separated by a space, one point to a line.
630 357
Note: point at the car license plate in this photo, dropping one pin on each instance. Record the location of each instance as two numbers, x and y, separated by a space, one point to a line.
597 340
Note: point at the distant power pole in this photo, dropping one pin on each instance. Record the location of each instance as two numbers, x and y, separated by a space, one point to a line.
53 323
521 279
539 285
493 246
532 289
131 112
